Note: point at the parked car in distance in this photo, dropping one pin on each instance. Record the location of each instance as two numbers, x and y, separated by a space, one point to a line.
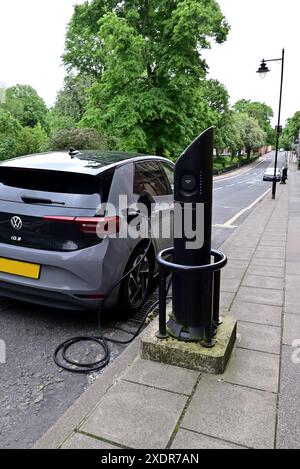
50 213
269 174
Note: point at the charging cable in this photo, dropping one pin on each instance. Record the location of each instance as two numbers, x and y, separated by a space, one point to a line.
61 351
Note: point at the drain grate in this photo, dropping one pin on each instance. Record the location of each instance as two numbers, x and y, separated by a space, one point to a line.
139 316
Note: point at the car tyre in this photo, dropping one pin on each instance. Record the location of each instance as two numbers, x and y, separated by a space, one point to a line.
136 286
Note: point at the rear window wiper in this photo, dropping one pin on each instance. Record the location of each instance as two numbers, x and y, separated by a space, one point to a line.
36 200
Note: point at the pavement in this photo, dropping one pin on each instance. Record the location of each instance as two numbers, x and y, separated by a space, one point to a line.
255 403
34 393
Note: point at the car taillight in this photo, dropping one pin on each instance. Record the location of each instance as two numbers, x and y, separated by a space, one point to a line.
100 226
91 225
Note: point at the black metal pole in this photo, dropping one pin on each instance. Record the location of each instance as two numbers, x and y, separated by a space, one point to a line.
278 129
217 287
162 333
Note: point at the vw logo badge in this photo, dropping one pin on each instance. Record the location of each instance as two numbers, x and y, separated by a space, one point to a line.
16 223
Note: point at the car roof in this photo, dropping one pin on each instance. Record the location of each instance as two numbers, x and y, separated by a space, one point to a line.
84 162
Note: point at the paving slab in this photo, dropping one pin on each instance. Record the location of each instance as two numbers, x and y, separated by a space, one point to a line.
267 261
158 375
276 228
230 285
260 296
259 281
232 413
240 254
272 242
292 282
233 273
260 314
136 416
288 434
259 337
270 254
291 329
265 270
271 249
186 439
273 237
253 369
226 300
236 264
270 232
244 242
79 441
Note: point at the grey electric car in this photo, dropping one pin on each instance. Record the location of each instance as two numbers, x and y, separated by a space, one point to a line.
52 218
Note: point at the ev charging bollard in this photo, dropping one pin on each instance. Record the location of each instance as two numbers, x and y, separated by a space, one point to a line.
192 292
196 280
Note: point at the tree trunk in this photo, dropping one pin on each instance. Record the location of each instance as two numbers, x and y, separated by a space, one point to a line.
159 151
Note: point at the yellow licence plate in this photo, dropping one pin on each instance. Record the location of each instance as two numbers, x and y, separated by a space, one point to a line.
22 269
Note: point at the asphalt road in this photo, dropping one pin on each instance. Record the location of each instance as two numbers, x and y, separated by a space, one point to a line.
34 393
234 195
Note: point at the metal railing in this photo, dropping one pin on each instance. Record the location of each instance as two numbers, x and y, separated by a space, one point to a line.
166 267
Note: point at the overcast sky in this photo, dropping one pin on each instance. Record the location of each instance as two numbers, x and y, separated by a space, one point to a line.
260 29
32 34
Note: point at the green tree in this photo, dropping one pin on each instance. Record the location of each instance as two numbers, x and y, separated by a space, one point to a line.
56 122
71 101
25 105
10 129
291 131
227 135
31 140
262 113
218 112
81 139
146 58
250 135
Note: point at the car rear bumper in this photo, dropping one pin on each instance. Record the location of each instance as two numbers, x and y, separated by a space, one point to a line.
268 178
72 280
54 299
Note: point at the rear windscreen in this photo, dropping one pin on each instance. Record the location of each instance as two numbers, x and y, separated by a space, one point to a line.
48 181
57 182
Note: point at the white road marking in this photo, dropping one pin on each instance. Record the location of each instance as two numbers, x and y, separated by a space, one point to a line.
231 227
229 223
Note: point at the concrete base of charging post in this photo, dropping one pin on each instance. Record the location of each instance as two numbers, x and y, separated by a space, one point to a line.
188 354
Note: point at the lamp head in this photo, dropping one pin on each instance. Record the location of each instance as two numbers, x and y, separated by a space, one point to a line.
263 69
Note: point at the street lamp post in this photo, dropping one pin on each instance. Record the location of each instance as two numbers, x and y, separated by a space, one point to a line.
263 70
